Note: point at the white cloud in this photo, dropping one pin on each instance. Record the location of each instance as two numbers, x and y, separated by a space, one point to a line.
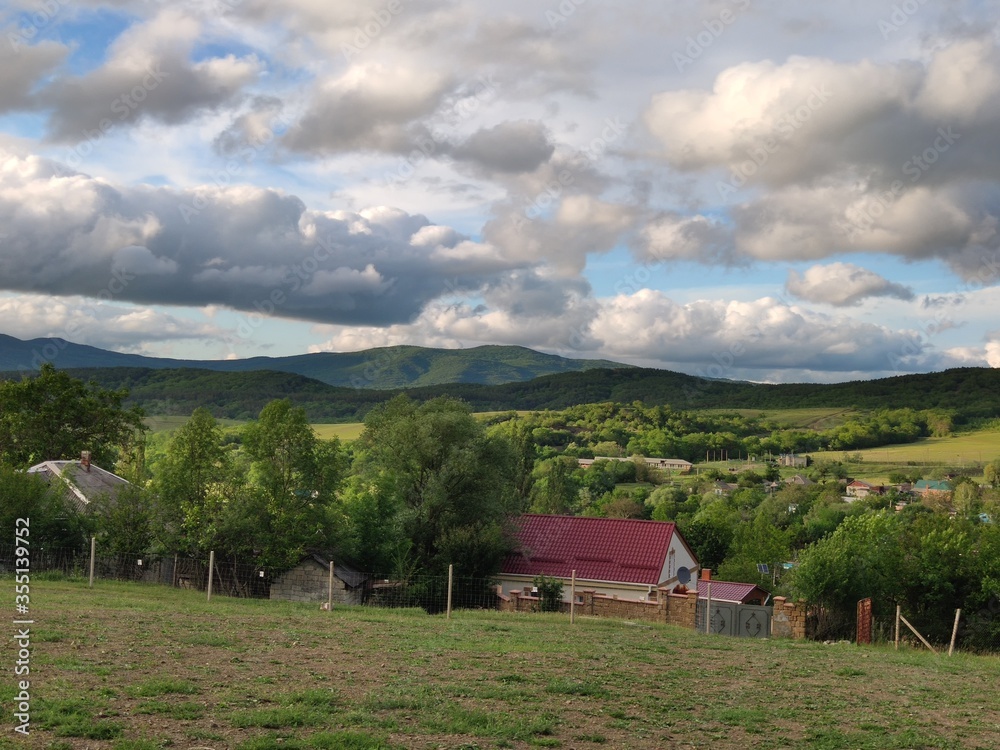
842 284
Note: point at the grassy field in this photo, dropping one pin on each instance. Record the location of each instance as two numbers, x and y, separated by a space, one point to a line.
125 667
965 448
805 419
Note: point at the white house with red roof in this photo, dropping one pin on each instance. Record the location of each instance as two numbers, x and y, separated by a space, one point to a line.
621 557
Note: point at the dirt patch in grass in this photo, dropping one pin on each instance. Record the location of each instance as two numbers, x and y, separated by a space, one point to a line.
137 667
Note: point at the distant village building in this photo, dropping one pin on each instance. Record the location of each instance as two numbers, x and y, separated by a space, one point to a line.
667 464
932 487
793 460
81 481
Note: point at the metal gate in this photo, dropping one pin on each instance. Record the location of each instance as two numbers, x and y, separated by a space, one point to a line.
741 620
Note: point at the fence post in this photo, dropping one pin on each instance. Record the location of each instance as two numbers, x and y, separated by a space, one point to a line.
898 615
954 632
211 573
708 607
329 590
572 598
173 575
93 549
451 570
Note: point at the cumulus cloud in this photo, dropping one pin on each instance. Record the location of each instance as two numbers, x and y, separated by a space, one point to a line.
513 146
149 73
842 284
369 107
100 324
22 66
815 157
249 248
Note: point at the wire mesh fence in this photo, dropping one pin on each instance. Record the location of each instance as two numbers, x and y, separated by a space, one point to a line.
314 579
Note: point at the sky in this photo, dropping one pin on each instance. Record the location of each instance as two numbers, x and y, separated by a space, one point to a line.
768 191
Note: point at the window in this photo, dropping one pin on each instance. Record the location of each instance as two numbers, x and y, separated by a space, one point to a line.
671 564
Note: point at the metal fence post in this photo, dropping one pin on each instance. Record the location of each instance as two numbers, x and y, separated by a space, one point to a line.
93 549
211 571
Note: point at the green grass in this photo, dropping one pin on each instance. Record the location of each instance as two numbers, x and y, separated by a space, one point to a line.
979 446
296 677
806 418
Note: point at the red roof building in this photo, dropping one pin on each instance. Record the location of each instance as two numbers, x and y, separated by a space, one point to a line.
614 556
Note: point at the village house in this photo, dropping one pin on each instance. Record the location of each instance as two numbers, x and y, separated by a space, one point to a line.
665 464
616 557
81 481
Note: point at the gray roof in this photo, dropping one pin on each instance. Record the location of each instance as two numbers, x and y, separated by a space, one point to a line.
351 577
81 485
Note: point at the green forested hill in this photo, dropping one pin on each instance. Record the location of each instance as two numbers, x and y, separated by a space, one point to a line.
382 368
969 392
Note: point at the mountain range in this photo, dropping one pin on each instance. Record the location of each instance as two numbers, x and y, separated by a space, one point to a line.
379 369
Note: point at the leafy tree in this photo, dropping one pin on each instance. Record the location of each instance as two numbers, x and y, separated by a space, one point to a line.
123 524
550 591
190 485
862 558
709 539
556 487
449 479
287 505
54 520
992 473
54 416
755 543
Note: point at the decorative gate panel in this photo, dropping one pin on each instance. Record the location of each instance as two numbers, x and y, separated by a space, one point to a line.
742 620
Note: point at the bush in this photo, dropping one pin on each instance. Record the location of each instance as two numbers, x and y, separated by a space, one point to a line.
549 592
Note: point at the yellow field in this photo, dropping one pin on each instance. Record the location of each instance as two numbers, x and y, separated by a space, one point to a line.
346 431
974 447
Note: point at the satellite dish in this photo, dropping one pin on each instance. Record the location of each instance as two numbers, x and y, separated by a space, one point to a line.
683 574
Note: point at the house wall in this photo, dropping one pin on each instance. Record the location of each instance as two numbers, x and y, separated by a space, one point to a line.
517 583
309 582
683 558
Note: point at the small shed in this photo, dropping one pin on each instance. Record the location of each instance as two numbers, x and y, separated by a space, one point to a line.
309 581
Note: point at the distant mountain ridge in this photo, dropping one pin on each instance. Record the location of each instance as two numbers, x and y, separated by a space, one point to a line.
384 368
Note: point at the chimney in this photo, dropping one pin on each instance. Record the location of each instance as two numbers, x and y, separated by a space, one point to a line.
85 460
706 574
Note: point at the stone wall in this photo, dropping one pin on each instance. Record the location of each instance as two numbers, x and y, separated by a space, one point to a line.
788 619
309 582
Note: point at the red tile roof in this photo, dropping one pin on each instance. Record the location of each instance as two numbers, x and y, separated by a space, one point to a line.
599 549
729 591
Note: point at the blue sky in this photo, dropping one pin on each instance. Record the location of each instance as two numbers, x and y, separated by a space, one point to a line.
806 192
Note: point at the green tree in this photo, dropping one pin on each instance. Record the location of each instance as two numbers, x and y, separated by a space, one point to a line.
862 558
555 488
54 521
450 480
759 542
54 416
190 485
991 472
287 505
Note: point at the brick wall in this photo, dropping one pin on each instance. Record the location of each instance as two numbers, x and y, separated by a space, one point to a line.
788 621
